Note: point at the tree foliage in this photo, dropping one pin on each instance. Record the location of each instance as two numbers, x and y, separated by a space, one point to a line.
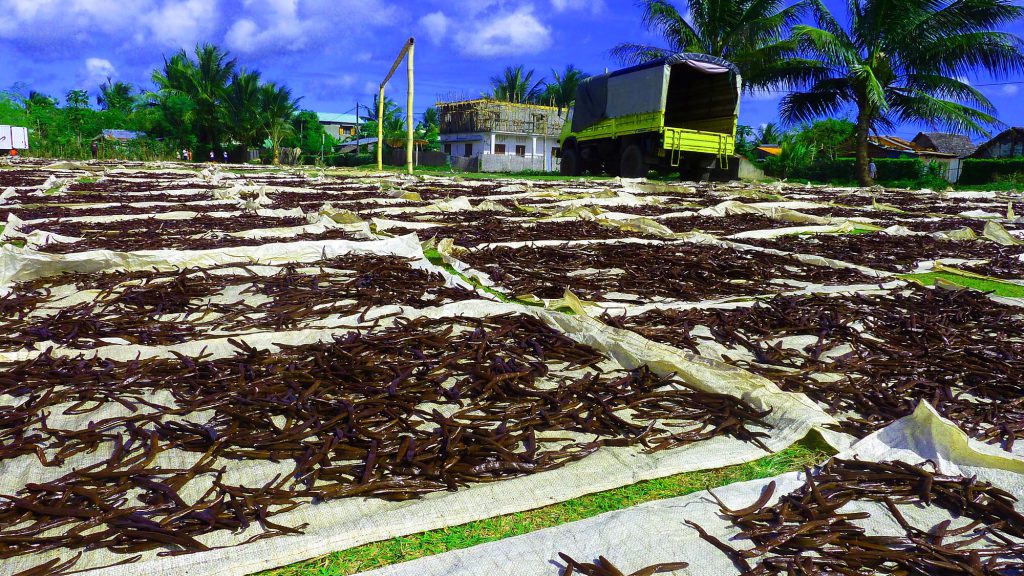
752 34
904 61
517 85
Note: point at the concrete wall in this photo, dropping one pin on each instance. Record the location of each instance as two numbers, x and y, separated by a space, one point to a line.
537 152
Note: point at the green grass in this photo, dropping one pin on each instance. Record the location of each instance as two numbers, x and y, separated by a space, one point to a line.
87 180
395 550
1007 289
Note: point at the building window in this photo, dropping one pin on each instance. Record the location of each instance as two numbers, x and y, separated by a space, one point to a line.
520 149
448 149
499 148
469 150
556 152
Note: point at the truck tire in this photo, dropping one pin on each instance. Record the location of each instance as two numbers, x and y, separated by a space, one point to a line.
570 165
631 163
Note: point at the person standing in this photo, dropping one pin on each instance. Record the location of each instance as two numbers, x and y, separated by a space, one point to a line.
212 157
872 170
225 156
95 146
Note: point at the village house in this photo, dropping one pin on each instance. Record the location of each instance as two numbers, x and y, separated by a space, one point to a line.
340 126
1008 144
896 147
491 136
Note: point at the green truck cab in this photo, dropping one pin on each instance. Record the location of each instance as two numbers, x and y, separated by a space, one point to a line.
675 113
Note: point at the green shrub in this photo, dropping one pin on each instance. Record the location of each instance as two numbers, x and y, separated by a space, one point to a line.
350 160
987 170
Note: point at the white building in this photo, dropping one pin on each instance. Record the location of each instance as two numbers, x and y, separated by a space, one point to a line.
491 136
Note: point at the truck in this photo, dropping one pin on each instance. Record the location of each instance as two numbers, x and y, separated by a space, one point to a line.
674 113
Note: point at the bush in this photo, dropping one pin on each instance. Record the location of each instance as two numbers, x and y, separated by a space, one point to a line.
844 170
350 160
988 170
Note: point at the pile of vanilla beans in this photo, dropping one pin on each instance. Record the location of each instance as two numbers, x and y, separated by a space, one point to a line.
814 530
134 307
873 357
424 405
885 252
489 229
646 271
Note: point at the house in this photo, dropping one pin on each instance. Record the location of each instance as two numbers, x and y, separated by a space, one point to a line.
1008 144
119 135
493 136
765 151
340 126
946 143
896 147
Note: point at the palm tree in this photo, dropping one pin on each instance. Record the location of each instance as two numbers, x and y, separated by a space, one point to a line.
562 92
516 85
748 33
394 127
115 96
276 110
243 106
904 61
204 82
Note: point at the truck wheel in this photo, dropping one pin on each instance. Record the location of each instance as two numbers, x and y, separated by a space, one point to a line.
631 163
570 163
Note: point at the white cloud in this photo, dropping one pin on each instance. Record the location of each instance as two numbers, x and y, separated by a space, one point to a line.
173 23
292 25
96 71
594 6
363 56
1009 90
507 34
436 26
182 24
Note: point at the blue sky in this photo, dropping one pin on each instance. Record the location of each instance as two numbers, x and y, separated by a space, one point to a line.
334 52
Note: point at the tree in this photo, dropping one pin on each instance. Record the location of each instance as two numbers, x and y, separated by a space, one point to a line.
242 108
516 85
276 110
749 33
308 134
394 128
204 82
827 137
769 134
116 96
562 92
77 99
904 61
429 128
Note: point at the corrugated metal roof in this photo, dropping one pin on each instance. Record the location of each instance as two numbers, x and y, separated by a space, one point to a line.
121 134
332 118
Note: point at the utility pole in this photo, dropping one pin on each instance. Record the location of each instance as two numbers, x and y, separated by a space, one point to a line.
357 128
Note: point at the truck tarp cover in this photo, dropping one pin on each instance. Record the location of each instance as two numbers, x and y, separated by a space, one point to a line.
636 90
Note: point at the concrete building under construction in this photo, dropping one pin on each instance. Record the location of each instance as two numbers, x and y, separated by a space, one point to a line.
492 136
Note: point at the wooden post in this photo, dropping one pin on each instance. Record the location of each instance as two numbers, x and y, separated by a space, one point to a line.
407 49
410 165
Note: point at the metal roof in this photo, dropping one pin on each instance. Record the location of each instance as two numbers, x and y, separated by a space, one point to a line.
121 134
333 118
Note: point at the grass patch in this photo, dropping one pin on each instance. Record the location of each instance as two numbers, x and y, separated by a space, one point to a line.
87 180
395 550
1007 289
